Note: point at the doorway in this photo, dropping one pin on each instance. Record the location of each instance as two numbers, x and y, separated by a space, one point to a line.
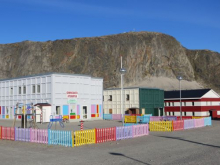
84 112
110 111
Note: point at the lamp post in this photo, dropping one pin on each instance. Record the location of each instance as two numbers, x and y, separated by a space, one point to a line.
122 71
180 78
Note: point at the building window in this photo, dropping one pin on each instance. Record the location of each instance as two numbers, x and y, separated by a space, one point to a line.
19 90
57 110
11 91
184 103
110 98
24 89
192 103
193 113
184 113
33 89
127 97
173 113
169 104
38 88
103 98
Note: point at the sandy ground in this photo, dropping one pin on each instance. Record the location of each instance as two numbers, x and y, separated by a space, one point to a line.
200 146
168 83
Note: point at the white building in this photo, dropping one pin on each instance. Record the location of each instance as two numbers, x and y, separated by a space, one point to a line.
70 95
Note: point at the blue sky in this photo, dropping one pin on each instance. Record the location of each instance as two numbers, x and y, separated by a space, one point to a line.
194 23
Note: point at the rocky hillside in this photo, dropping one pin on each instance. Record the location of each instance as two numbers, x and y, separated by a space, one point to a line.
151 59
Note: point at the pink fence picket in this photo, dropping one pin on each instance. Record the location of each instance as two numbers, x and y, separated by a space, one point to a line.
156 118
140 130
39 135
123 132
178 125
22 134
116 117
105 134
189 124
199 122
8 133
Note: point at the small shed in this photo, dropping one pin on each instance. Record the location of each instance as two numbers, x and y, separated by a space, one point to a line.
133 110
43 112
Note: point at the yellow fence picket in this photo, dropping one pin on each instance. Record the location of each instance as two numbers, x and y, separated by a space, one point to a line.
130 119
196 117
84 137
160 126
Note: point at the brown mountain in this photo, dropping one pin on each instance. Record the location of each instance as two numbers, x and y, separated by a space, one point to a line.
151 59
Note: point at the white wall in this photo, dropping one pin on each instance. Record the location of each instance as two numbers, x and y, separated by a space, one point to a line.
115 104
9 99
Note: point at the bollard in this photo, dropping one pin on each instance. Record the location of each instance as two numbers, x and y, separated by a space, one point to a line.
81 127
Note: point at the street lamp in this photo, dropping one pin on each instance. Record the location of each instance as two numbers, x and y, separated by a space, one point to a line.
122 71
180 78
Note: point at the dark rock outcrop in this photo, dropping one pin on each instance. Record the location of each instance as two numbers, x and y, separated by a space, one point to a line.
145 55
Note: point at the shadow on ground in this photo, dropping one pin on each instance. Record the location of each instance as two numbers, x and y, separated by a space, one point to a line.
119 154
190 141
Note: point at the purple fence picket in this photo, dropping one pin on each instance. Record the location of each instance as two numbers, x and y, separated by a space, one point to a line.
170 118
123 132
39 135
22 134
140 130
156 118
116 117
199 122
189 124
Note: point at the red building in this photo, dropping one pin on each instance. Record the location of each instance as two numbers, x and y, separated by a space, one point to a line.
198 102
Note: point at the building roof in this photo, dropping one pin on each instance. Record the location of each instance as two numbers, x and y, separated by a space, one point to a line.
131 88
42 104
190 94
49 73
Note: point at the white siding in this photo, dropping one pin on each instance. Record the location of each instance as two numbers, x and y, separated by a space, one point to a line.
115 104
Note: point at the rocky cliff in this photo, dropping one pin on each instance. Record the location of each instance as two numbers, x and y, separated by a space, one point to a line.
151 59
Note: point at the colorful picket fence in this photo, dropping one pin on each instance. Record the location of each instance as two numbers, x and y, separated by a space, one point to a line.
22 134
124 132
207 121
178 125
197 117
169 118
199 123
56 137
107 116
160 126
116 117
8 133
39 136
184 117
140 130
143 119
130 119
105 134
156 118
84 137
188 124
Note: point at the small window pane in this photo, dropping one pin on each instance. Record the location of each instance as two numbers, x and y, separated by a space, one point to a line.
33 89
38 88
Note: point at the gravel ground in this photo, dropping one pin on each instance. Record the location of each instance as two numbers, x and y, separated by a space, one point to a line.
195 146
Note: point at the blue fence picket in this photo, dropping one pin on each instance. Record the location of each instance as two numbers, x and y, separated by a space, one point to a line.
107 116
57 137
143 119
207 121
